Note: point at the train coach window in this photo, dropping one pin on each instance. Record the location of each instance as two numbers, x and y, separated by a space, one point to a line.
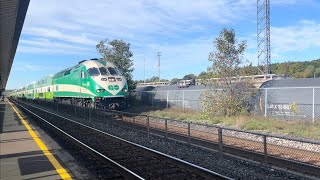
48 89
113 71
93 71
103 71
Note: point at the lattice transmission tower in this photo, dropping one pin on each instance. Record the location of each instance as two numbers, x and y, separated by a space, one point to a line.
263 35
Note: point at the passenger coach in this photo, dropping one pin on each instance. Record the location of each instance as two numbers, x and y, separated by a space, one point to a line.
89 83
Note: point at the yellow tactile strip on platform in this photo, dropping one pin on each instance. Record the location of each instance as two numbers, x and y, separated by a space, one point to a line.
60 170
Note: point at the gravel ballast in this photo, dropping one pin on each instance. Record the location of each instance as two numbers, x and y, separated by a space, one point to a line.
228 166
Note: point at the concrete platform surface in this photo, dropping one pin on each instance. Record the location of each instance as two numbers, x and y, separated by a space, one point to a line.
26 152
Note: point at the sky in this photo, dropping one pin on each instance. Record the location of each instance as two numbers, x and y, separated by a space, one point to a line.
58 34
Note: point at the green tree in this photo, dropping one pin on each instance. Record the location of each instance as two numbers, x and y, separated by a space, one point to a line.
203 75
226 60
119 53
293 69
296 70
309 71
317 73
174 80
189 76
248 70
154 79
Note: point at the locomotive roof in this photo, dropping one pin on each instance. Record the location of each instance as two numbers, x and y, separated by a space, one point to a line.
88 63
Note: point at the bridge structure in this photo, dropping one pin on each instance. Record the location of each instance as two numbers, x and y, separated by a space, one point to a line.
257 80
12 16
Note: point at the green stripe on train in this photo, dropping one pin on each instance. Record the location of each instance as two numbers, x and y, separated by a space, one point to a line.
46 95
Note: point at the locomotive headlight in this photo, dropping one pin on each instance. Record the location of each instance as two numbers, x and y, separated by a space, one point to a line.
100 90
104 79
119 79
125 90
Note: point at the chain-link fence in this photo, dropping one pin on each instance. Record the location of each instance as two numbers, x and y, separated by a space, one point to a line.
289 103
184 99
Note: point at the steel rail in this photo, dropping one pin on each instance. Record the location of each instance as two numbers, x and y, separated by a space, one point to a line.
240 152
195 168
123 169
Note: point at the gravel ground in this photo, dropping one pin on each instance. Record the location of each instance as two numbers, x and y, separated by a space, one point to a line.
315 147
228 166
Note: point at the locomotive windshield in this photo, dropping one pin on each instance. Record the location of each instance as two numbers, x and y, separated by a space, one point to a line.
103 71
119 72
93 71
113 71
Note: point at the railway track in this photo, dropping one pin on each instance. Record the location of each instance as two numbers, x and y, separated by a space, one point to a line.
294 159
252 145
126 160
278 156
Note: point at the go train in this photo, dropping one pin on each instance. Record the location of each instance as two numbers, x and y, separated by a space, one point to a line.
89 83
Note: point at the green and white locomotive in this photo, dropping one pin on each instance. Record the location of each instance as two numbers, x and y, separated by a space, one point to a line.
89 83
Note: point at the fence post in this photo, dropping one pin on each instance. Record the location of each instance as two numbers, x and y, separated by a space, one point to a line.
148 127
220 142
166 127
183 101
265 102
265 149
189 133
313 110
167 99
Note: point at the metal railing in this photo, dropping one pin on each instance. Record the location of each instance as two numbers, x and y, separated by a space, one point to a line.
222 139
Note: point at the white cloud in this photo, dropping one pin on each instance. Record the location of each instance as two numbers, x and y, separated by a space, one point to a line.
27 67
58 35
181 29
85 23
304 35
73 20
47 46
294 40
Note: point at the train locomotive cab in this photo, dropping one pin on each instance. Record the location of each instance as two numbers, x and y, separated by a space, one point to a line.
109 85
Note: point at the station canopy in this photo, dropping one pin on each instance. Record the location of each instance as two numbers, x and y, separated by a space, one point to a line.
12 15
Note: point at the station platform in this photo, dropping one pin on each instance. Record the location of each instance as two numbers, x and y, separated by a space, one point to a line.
24 153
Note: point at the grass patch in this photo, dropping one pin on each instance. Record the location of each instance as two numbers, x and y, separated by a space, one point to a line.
257 123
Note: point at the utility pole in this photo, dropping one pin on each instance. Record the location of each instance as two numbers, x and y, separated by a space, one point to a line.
159 54
144 70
